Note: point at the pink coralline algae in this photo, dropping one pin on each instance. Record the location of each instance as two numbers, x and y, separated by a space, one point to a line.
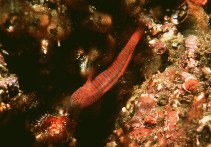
172 108
164 116
191 42
150 121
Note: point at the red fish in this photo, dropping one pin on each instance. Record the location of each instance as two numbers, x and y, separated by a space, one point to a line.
92 90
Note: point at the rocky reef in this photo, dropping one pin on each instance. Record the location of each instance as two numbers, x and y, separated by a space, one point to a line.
105 73
171 108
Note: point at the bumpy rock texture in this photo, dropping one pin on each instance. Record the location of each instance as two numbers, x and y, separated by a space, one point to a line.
172 108
50 48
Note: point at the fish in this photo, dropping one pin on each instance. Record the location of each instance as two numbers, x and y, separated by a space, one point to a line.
94 89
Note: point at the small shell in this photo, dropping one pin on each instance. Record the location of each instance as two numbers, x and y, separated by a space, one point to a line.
190 84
